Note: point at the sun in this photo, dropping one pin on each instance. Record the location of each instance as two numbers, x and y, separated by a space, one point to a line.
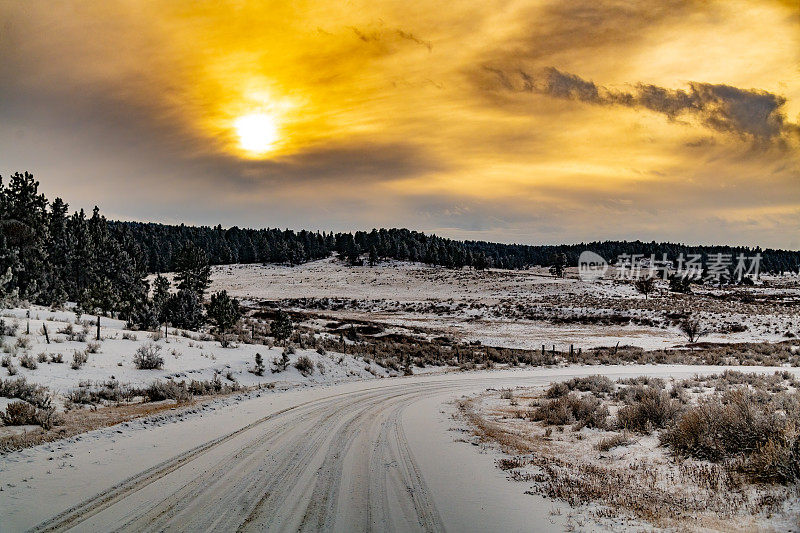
258 132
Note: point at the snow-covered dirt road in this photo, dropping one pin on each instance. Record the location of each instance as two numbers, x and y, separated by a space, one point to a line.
360 456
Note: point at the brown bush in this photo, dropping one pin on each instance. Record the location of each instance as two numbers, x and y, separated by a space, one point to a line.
651 409
305 365
583 411
147 357
19 414
742 424
597 385
27 361
37 395
557 390
167 390
777 461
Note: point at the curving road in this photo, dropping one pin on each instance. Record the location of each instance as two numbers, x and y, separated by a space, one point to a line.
357 457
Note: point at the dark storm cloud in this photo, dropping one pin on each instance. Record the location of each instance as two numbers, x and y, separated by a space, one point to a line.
749 113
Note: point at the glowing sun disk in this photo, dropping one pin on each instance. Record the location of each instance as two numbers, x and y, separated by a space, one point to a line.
258 132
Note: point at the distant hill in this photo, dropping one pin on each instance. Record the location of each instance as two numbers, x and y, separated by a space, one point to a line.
160 243
49 256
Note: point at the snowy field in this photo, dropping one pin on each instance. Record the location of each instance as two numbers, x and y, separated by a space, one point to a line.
39 371
345 441
187 355
519 309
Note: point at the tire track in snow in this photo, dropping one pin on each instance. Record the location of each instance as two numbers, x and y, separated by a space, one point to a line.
299 451
92 506
341 463
107 498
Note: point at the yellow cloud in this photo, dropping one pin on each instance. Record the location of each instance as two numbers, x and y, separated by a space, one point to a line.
393 96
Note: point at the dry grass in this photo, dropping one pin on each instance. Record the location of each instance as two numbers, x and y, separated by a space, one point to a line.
77 421
508 440
615 440
617 472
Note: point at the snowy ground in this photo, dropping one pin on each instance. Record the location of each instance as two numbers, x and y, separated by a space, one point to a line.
185 357
353 452
609 471
371 454
519 309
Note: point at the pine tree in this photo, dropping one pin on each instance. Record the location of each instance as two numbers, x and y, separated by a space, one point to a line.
558 265
184 311
193 271
8 296
680 284
281 328
645 285
60 249
23 218
161 295
259 368
281 363
99 299
224 312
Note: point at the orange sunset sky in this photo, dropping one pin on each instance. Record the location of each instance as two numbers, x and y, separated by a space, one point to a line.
515 121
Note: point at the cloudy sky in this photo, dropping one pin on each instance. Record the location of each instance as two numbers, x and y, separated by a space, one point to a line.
512 120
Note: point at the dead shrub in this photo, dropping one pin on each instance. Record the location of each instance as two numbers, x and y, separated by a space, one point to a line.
47 418
777 461
583 411
27 361
617 439
651 409
23 343
7 330
647 381
19 414
88 393
79 359
167 390
597 385
36 395
635 393
740 424
147 357
557 390
215 386
304 365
